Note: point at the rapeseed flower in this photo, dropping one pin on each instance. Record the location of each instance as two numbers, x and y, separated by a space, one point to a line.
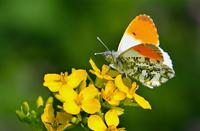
56 81
131 92
85 100
96 123
111 94
55 123
101 74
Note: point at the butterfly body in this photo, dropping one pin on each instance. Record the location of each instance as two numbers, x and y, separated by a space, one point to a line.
139 55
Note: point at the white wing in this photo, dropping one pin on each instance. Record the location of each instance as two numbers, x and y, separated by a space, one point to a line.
167 61
127 42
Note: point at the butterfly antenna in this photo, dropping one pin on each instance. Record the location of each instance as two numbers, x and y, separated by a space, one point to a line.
102 43
100 53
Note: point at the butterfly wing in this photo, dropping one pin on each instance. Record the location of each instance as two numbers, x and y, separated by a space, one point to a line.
139 55
145 63
140 30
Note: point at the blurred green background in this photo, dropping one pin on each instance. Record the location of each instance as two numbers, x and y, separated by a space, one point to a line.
43 36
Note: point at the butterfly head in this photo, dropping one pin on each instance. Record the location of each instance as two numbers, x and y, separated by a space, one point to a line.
110 56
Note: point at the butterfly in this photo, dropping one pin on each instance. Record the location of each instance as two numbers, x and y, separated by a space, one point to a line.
139 55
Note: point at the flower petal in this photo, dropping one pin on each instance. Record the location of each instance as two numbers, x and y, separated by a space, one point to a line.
63 117
91 106
113 102
76 77
112 95
98 74
51 77
132 90
120 85
118 95
96 123
105 69
59 97
142 102
71 107
63 120
109 88
48 115
80 73
53 82
67 93
53 86
89 92
94 67
119 110
107 77
111 118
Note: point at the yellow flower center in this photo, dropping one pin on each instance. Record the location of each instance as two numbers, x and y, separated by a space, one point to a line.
63 78
107 98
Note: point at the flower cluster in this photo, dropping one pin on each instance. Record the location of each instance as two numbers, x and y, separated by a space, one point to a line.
93 99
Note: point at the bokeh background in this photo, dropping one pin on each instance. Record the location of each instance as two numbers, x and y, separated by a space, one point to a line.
46 36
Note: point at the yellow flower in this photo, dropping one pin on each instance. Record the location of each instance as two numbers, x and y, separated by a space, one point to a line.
96 123
52 123
55 81
130 92
111 94
85 100
103 74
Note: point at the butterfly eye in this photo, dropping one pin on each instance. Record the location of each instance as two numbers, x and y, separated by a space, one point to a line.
134 33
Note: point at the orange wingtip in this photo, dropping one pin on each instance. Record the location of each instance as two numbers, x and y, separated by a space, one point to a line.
149 52
142 28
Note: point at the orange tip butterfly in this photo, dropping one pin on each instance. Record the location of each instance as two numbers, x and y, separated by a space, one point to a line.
139 55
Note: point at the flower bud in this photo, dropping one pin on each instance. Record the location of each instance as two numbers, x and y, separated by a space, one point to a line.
39 101
33 114
20 115
74 120
49 100
25 107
